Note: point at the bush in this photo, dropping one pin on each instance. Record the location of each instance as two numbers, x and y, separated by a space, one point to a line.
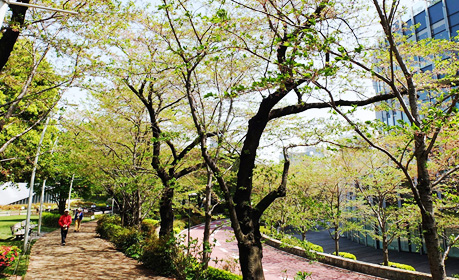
179 225
271 233
107 226
149 226
8 255
306 245
50 219
219 274
123 238
346 255
402 266
158 255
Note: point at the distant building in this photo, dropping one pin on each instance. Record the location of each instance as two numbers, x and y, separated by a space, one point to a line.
18 194
438 19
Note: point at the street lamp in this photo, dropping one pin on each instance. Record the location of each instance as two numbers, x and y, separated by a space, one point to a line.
189 217
70 190
32 181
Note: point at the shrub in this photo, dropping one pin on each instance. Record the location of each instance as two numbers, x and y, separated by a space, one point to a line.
402 266
149 226
306 245
271 233
7 256
158 255
107 226
346 255
179 225
50 219
219 274
123 238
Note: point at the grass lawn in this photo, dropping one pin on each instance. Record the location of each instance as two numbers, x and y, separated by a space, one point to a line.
6 238
7 221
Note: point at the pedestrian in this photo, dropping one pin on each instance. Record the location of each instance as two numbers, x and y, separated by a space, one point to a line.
64 222
78 219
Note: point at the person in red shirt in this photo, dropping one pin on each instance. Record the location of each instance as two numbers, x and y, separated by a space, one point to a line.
64 222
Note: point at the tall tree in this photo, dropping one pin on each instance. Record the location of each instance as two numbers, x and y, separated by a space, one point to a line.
290 44
110 145
396 68
28 93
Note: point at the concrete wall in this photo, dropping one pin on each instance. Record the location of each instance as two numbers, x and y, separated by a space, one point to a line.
358 266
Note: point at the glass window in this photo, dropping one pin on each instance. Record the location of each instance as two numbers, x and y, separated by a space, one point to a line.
454 30
438 27
452 6
422 95
441 35
436 13
454 19
421 19
423 34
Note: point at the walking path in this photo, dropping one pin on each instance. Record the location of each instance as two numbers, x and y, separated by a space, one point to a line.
276 264
84 257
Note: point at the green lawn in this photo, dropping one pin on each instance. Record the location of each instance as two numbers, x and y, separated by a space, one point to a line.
7 221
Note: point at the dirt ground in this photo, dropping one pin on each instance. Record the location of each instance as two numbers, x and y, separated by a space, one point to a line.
85 256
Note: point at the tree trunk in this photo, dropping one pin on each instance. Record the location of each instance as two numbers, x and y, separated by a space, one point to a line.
166 212
11 34
208 218
429 225
336 239
61 205
251 254
385 251
138 211
429 228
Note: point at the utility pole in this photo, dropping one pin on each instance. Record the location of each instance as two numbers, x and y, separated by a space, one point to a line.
4 7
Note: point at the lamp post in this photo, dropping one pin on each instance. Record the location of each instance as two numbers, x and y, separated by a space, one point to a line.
70 190
32 181
189 218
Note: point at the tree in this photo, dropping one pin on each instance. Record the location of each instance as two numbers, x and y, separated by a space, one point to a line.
116 160
288 49
28 94
384 210
395 67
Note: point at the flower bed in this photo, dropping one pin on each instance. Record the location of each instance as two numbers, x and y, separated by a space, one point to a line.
8 255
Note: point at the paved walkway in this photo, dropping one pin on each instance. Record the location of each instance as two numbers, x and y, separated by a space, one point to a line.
276 264
84 257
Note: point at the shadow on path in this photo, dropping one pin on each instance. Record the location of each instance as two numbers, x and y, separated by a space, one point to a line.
84 257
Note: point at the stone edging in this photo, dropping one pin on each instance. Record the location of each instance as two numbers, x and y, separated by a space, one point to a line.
358 266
